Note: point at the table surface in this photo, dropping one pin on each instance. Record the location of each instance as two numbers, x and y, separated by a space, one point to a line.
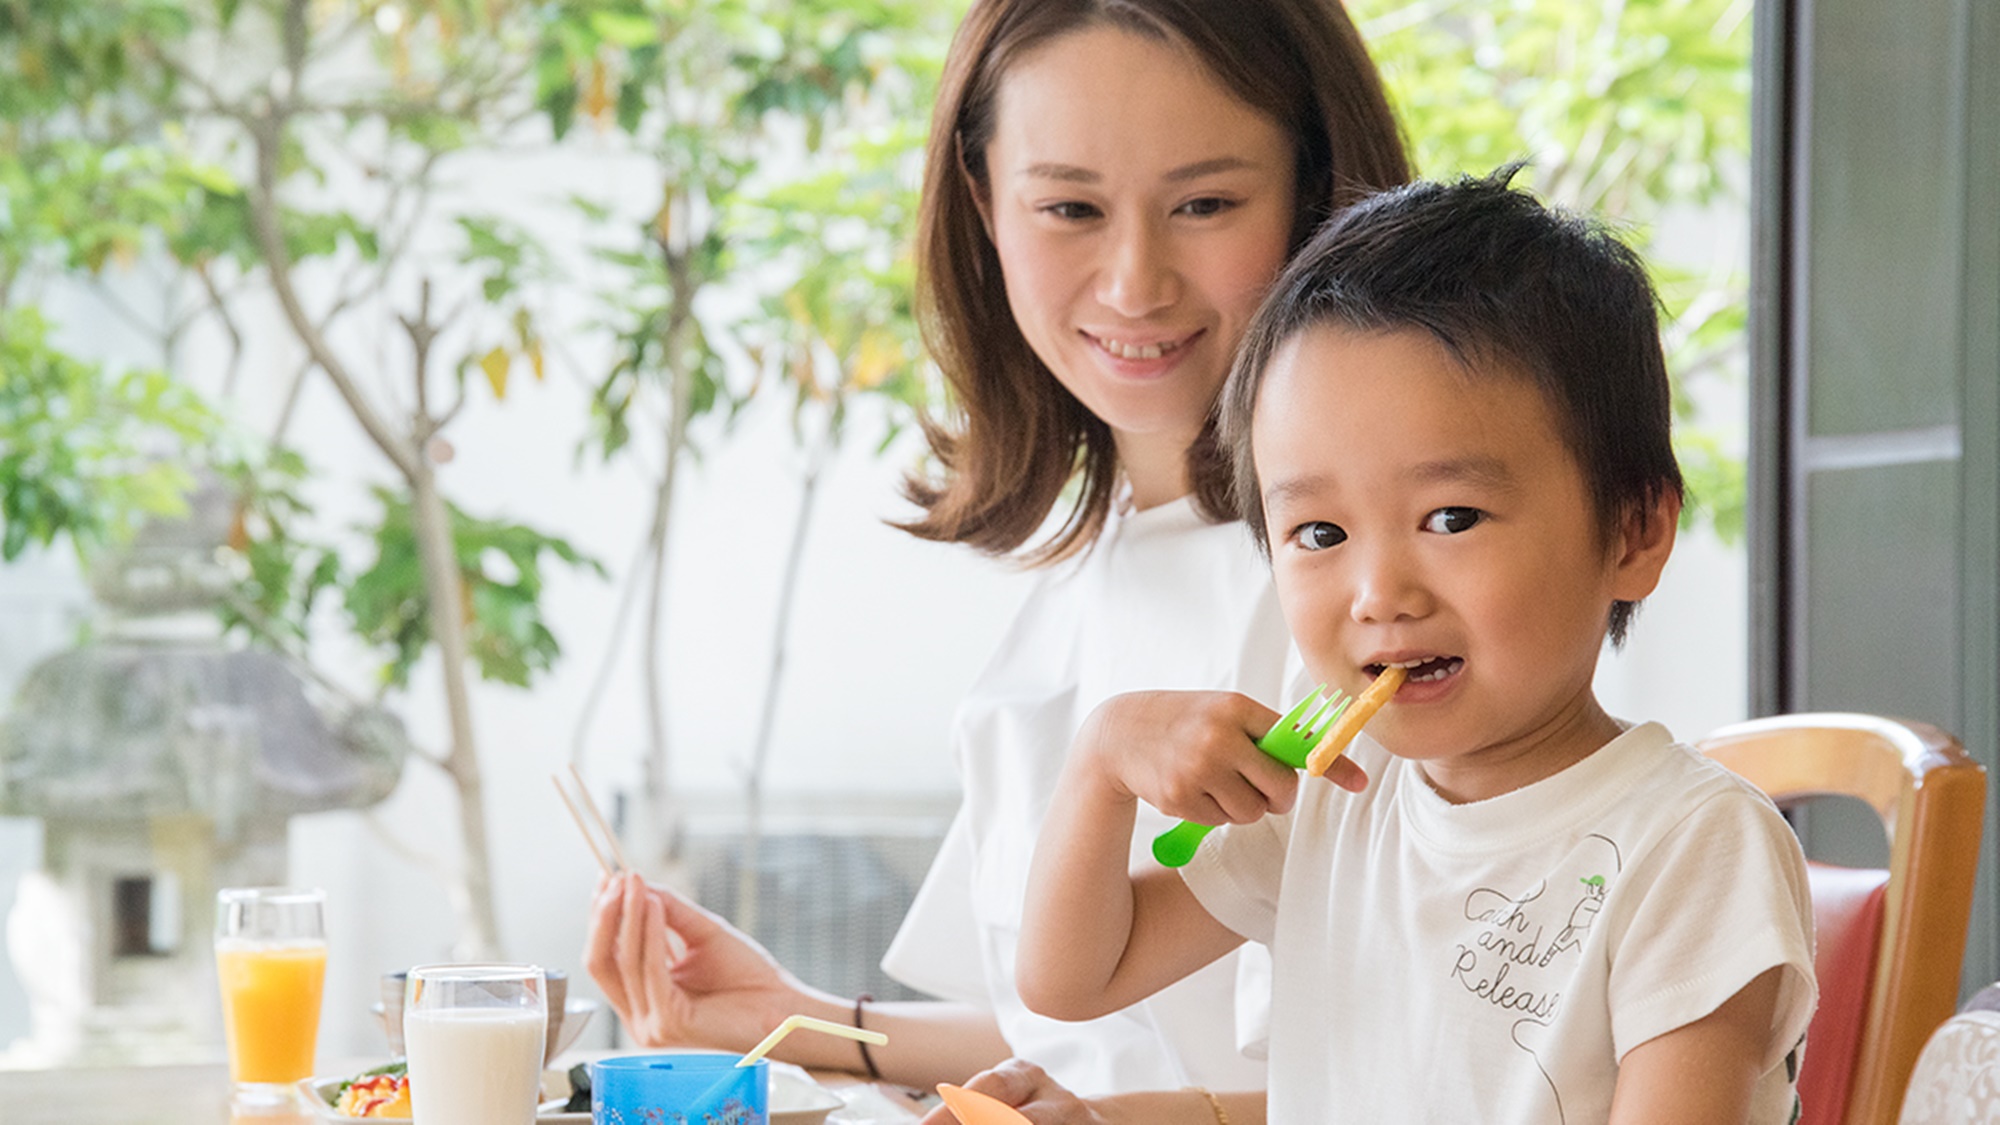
194 1095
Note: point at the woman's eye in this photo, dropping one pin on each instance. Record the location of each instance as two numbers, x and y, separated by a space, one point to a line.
1319 535
1451 521
1207 205
1072 211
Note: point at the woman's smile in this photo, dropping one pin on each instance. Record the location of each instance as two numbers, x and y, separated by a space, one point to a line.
1142 356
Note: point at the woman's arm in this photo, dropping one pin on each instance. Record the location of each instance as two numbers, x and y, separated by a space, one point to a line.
1024 1086
1705 1072
1096 938
681 976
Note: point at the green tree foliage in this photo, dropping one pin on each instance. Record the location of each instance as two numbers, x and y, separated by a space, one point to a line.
500 567
84 453
1633 110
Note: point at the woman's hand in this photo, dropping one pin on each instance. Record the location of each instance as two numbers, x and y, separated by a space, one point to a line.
680 976
1027 1088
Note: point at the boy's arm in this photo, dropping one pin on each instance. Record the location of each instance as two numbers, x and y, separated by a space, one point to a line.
1703 1072
1096 938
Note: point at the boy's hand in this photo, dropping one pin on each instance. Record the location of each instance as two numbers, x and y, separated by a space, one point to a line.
1194 755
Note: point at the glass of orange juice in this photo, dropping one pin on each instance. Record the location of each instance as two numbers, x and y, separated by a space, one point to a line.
270 957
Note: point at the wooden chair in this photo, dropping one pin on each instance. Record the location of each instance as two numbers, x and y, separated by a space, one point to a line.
1890 943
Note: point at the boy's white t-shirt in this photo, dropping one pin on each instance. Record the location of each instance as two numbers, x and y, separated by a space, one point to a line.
1163 600
1493 961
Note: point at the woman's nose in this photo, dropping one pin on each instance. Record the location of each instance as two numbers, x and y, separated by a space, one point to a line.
1140 276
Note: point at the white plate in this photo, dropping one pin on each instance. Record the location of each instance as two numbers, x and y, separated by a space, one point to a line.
315 1091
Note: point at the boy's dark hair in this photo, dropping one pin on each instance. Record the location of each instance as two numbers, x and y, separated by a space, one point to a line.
1502 282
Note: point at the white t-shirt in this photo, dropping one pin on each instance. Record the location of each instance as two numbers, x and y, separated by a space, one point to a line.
1164 600
1493 961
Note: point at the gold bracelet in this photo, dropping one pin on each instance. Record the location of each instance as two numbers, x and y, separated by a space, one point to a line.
1214 1103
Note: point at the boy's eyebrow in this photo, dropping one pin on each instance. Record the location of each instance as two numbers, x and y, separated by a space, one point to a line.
1075 174
1483 471
1490 472
1296 487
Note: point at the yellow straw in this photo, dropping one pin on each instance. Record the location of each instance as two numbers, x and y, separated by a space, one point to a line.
794 1023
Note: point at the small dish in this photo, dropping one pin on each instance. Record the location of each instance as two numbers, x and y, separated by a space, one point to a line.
797 1100
315 1091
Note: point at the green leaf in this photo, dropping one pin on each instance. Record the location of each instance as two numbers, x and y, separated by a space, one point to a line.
623 29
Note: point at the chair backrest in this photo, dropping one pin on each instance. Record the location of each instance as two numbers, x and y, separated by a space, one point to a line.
1931 798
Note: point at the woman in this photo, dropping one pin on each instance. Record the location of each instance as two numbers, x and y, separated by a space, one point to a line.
1111 186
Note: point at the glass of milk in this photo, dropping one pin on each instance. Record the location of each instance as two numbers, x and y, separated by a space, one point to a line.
474 1036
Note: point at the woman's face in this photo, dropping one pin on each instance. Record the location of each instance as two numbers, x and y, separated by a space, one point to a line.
1140 211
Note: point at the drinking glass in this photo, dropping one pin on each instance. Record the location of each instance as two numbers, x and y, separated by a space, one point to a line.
473 1035
270 959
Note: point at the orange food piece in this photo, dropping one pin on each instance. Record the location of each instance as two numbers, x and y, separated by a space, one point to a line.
1354 718
379 1095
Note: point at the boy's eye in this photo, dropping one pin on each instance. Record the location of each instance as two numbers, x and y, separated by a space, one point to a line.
1207 205
1451 521
1319 535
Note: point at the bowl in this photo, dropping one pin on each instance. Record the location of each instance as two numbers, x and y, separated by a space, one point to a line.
795 1098
563 1032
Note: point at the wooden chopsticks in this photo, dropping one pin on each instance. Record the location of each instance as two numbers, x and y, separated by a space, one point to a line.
603 827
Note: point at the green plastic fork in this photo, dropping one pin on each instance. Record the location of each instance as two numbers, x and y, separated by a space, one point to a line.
1291 741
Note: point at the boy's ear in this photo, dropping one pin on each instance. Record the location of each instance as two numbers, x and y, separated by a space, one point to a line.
1639 553
982 200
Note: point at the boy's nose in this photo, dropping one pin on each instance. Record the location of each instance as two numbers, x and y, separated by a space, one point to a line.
1389 589
1139 277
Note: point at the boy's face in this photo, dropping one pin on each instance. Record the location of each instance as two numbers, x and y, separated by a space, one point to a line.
1417 513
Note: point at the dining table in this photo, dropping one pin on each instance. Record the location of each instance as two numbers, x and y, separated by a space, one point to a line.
199 1094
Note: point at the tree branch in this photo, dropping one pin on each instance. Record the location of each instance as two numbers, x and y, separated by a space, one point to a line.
266 133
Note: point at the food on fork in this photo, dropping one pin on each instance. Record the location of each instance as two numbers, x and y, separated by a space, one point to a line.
1354 718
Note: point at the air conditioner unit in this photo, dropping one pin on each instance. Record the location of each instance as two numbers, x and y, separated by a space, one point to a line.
832 886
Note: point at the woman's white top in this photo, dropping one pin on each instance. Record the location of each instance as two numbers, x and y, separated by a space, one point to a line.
1163 600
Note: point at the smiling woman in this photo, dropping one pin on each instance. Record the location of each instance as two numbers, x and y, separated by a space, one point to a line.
1161 140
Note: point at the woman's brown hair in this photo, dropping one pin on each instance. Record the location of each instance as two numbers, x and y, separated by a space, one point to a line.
1020 437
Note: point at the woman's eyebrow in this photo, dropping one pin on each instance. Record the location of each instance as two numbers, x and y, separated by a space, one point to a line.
1077 174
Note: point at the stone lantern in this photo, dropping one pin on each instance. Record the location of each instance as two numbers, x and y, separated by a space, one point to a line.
163 763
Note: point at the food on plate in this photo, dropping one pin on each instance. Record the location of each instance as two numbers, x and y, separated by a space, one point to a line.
381 1092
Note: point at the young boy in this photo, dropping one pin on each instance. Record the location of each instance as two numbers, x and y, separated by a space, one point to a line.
1451 429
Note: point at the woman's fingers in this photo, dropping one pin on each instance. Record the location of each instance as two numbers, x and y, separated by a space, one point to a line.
600 947
654 979
631 954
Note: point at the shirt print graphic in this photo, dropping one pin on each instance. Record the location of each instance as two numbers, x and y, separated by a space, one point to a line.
1520 950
